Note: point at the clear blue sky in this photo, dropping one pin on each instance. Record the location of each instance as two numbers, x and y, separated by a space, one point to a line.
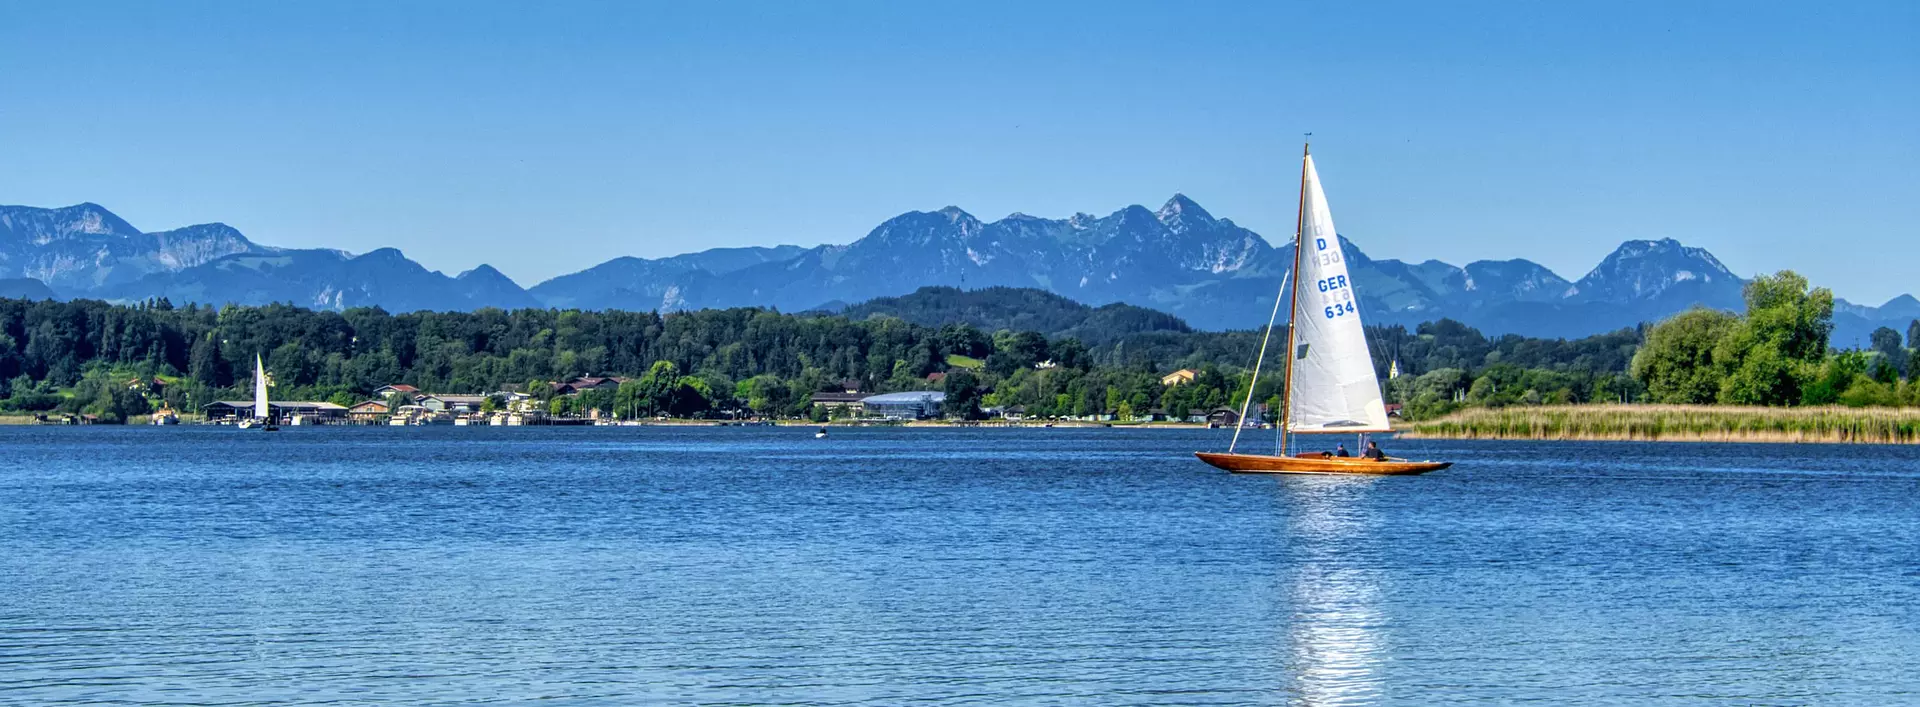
544 140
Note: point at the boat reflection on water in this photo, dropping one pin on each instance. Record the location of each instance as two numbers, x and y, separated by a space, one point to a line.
1335 645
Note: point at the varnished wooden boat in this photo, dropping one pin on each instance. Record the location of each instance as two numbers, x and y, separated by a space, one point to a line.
1317 464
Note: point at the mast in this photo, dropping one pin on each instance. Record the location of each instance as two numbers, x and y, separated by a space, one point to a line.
1293 297
1290 277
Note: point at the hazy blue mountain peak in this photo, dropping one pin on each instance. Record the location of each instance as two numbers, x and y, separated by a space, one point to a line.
42 226
384 255
1181 214
483 271
1138 215
1640 269
1901 307
921 229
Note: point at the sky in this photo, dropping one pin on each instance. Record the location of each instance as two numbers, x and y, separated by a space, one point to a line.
546 139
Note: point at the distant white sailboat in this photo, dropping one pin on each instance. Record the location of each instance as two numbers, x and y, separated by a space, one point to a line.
262 417
1330 385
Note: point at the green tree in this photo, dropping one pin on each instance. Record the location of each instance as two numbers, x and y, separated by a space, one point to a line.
1779 344
288 364
1016 351
720 391
1614 388
657 387
962 339
113 403
207 367
962 388
1892 355
600 399
1867 392
1835 375
691 396
628 399
766 395
1677 363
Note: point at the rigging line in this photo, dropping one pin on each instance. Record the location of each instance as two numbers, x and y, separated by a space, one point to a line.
1241 423
1392 358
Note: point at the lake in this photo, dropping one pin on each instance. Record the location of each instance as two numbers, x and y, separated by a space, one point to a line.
198 565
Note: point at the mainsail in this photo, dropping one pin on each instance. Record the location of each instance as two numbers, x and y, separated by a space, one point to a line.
259 388
1331 381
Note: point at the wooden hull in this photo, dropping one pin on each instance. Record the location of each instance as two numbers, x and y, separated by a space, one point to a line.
1262 464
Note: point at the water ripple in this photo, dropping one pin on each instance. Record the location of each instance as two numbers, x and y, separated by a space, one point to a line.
888 567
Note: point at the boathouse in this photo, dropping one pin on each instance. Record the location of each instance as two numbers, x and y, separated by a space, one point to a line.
912 405
230 409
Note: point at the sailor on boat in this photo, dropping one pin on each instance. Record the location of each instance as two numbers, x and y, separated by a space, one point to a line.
1340 450
1373 451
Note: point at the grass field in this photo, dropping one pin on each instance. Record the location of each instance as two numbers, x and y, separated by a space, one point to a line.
1701 423
967 362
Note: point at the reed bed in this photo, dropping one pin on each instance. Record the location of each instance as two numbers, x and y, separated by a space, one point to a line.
1678 423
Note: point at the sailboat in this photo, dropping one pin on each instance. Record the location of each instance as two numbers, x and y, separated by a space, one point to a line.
1330 386
261 415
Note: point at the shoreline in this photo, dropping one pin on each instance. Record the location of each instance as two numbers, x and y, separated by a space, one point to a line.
143 420
1554 423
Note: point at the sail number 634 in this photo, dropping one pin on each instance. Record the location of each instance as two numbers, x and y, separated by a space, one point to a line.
1336 288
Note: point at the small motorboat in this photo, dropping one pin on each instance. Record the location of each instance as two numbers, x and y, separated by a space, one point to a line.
822 434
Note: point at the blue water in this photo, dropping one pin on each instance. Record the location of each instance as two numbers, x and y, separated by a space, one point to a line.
886 567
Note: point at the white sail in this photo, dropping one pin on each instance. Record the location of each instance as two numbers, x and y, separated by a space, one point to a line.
1333 387
259 388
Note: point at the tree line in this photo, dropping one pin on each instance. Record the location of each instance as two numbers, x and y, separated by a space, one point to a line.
80 356
1775 354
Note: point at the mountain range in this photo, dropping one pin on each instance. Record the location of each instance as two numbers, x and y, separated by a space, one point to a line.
1209 271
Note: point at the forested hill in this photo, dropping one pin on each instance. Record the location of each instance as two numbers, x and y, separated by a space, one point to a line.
1020 309
80 355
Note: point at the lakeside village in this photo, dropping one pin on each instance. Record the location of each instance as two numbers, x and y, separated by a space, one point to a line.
566 403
